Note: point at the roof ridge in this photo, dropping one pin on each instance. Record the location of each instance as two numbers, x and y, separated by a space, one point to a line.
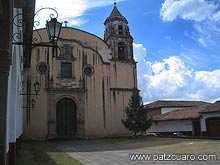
115 13
188 113
175 103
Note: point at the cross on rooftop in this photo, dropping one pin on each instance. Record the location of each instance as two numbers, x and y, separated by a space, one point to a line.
65 23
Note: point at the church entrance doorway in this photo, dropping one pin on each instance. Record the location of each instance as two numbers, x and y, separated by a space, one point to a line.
66 117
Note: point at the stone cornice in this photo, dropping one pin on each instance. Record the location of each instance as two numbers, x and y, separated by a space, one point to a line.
123 89
65 89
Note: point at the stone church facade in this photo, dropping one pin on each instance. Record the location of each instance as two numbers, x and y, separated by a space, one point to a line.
85 84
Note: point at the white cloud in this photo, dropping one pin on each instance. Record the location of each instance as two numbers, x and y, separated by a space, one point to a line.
202 41
216 17
196 10
69 10
172 79
77 21
203 13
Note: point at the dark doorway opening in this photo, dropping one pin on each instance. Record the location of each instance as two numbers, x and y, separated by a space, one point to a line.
66 117
196 127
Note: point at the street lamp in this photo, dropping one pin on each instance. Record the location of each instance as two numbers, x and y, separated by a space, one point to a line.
36 87
53 29
30 102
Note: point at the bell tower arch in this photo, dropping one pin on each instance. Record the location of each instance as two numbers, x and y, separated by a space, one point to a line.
117 36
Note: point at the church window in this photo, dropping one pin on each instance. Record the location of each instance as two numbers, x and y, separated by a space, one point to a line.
120 29
42 67
88 70
84 60
66 69
121 51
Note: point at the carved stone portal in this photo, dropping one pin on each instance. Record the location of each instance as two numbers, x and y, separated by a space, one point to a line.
77 96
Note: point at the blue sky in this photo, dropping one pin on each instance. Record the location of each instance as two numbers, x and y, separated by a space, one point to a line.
176 42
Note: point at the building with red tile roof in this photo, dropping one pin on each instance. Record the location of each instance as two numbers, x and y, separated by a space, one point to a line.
193 118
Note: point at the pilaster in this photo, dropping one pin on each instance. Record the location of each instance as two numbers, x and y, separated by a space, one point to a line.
5 61
3 113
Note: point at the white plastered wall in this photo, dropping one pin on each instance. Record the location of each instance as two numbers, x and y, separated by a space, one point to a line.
171 126
14 99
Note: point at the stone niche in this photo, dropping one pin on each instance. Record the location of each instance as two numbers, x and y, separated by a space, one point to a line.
66 50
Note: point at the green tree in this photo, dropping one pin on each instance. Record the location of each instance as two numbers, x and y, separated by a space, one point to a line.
136 116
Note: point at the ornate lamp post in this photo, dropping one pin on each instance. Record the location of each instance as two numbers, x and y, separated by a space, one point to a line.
30 102
53 28
36 87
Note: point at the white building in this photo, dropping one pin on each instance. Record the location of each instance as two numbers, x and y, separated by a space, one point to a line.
11 70
189 117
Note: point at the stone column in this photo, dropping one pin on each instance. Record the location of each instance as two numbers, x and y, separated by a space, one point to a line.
3 114
5 61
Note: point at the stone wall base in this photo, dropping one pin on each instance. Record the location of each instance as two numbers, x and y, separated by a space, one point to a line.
14 147
12 153
204 133
7 158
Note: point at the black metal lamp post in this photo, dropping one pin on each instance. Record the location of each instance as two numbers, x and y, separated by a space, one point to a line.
53 29
30 102
36 87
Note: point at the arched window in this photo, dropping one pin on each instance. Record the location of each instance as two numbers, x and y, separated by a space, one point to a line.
120 29
121 51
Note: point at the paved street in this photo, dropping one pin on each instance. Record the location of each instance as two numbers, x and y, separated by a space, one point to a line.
94 152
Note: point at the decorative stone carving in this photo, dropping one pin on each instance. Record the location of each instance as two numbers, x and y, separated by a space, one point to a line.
67 82
66 51
42 67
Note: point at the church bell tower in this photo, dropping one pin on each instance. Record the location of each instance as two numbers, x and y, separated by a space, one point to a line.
118 37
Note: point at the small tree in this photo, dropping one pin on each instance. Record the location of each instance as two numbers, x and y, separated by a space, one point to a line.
136 116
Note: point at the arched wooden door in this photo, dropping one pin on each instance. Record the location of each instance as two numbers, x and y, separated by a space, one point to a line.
66 117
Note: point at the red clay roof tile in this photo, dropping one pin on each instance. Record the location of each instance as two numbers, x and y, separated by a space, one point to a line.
173 103
188 113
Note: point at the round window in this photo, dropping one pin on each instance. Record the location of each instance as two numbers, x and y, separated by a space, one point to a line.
88 70
42 67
